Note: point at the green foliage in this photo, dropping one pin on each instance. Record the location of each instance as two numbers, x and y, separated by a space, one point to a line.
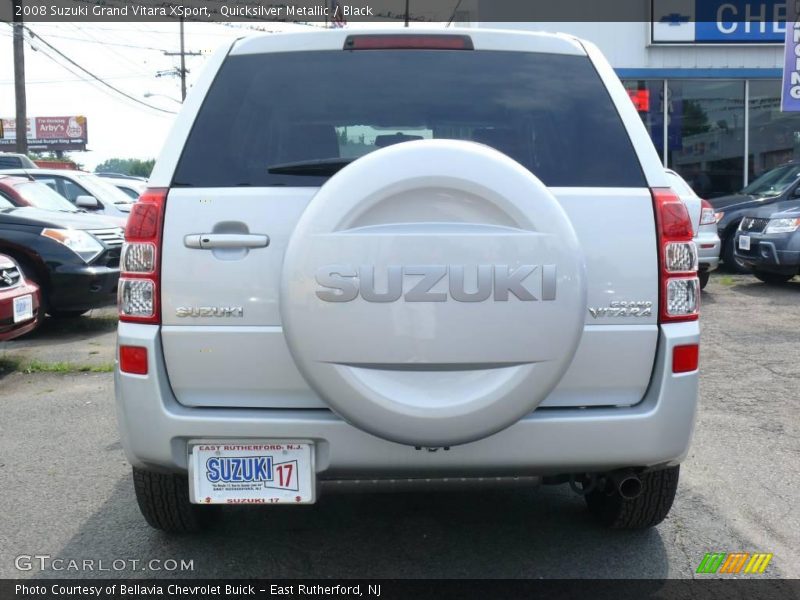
9 364
126 166
54 156
695 119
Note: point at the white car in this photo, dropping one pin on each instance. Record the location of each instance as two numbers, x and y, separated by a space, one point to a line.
704 224
398 258
131 186
84 190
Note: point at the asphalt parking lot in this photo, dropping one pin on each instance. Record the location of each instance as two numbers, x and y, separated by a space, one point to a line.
66 492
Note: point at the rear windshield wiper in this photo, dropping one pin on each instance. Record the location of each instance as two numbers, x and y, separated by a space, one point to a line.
320 167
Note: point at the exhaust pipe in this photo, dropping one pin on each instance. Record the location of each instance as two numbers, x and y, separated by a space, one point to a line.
626 483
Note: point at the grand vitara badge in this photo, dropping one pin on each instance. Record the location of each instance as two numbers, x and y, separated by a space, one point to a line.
344 283
209 311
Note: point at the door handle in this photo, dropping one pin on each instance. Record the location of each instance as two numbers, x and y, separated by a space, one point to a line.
211 241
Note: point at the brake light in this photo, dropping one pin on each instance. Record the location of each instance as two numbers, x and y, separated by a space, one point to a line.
679 286
408 42
707 216
140 263
133 359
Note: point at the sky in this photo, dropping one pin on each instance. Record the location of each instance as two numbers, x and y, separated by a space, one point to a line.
126 55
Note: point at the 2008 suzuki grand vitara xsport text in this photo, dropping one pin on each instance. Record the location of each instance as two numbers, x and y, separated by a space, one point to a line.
401 258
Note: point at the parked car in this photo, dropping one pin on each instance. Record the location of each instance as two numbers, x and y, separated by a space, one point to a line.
19 301
768 241
9 160
112 175
132 186
84 190
398 308
22 191
778 185
73 257
704 225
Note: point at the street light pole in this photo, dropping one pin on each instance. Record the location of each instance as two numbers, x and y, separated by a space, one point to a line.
19 81
407 1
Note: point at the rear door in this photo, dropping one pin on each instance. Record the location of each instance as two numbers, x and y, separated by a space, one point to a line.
546 107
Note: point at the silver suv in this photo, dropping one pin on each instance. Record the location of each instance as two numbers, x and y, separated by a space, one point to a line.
407 258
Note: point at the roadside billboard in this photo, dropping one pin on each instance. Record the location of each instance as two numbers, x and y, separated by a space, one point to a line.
47 133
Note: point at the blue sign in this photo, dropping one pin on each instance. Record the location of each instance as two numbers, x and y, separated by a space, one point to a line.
719 21
790 92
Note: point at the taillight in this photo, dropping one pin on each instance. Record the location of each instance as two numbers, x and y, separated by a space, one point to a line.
140 262
408 42
677 255
707 216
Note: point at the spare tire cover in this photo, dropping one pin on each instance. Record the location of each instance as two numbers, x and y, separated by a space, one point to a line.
433 292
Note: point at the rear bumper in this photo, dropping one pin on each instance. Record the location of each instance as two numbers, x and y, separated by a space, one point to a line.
778 253
708 248
82 287
155 428
8 329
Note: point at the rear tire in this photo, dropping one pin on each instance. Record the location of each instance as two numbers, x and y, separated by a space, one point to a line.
772 278
732 263
646 510
703 275
164 502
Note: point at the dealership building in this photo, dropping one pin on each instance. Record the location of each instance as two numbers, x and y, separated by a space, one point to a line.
709 92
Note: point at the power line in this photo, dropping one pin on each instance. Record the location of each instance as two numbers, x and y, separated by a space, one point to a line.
92 75
135 67
90 81
103 42
84 79
51 81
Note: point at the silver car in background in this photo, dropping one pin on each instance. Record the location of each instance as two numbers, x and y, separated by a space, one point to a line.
84 190
129 184
704 224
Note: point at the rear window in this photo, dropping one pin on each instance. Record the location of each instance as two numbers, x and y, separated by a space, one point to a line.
549 112
10 162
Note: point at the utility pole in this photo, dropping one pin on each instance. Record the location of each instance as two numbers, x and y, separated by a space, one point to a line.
182 70
407 1
19 81
183 66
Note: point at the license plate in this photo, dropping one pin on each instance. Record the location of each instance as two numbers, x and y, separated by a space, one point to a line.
744 242
261 472
23 308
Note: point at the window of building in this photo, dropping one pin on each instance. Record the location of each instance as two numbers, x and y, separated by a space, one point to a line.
648 98
706 134
774 136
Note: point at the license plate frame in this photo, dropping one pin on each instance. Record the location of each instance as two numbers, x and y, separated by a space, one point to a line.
252 472
23 308
744 242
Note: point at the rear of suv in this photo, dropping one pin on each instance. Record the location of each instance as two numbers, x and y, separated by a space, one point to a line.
402 259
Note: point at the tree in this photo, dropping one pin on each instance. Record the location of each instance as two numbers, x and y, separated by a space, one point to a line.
126 166
695 119
54 157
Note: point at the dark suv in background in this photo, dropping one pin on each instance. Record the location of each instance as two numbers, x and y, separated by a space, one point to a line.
71 255
768 242
778 185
